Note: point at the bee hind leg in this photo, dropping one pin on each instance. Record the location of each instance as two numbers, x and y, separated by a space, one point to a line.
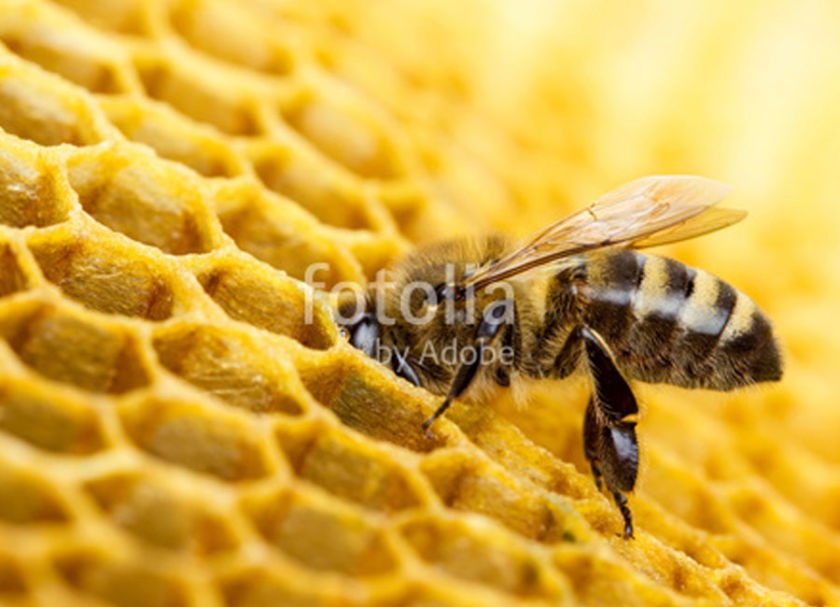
609 429
591 442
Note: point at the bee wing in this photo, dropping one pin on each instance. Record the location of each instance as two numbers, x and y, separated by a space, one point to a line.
642 213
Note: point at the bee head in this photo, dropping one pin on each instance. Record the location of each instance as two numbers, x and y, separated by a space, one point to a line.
357 324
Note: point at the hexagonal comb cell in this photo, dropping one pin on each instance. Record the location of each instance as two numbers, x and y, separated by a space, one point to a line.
150 202
45 110
197 437
269 587
232 34
229 366
12 277
124 16
117 582
343 129
111 278
12 580
65 347
28 190
277 232
63 50
366 401
26 498
598 581
249 293
47 420
156 514
173 136
350 469
183 84
471 553
299 174
322 533
465 484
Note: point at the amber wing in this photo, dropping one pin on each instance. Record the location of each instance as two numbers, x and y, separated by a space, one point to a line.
645 212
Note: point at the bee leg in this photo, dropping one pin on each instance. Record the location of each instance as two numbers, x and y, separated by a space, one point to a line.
621 502
619 452
463 378
614 398
610 426
494 318
591 442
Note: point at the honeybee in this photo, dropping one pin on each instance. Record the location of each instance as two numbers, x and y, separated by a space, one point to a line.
575 294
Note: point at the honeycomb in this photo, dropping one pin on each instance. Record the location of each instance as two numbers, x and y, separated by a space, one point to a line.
173 432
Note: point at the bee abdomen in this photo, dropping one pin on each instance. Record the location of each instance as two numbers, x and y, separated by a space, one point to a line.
744 352
685 327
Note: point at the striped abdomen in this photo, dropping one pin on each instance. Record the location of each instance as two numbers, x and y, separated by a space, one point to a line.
667 322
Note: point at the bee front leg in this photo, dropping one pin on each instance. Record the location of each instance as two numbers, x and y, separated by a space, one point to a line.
496 316
463 378
610 442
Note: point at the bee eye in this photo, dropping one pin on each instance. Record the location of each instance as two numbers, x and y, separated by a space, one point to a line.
364 334
441 292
